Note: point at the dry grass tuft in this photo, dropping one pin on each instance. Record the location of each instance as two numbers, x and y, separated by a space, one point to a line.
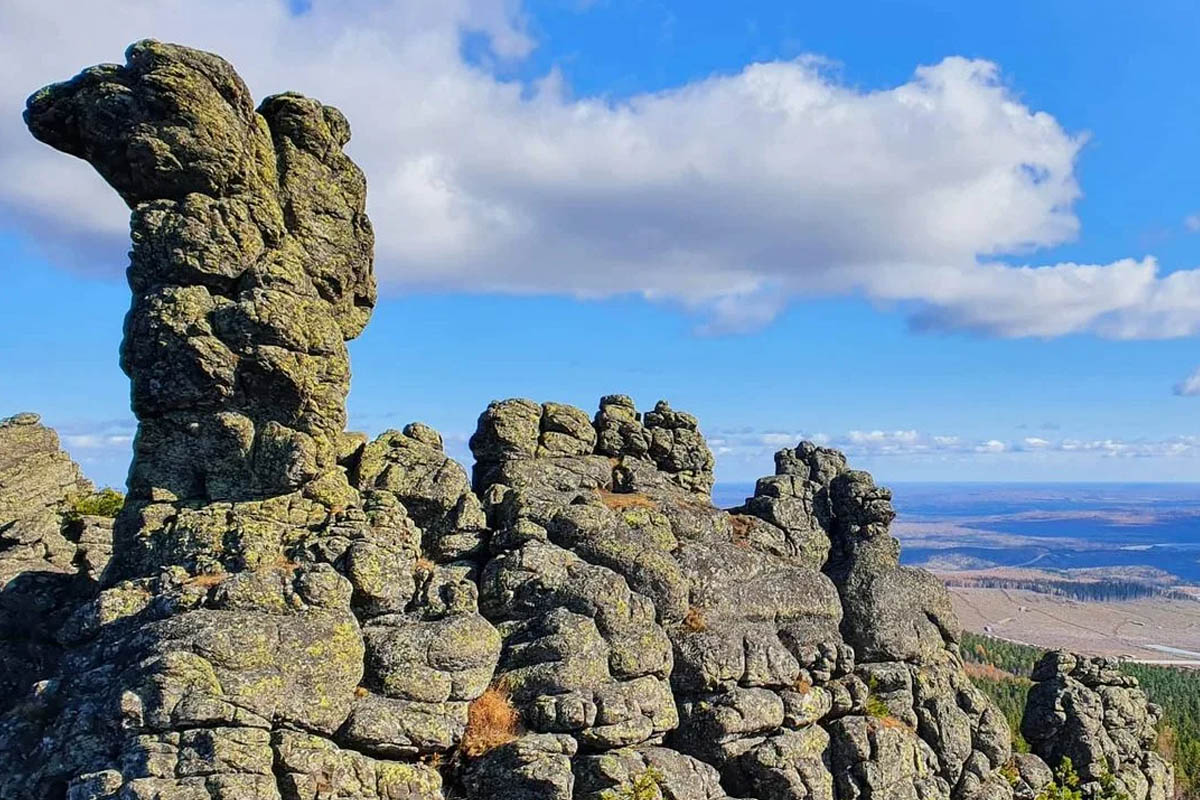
360 691
282 564
802 685
206 580
892 722
694 620
740 526
492 720
624 501
425 565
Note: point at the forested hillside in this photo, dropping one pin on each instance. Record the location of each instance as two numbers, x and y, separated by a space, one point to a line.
1001 669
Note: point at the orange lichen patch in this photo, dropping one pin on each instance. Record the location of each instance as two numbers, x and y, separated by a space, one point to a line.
802 686
492 720
206 580
424 565
360 691
623 501
694 620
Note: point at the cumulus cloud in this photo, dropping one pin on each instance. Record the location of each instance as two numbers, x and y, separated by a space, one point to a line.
727 196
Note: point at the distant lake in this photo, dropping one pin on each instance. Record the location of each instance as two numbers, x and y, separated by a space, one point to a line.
1052 526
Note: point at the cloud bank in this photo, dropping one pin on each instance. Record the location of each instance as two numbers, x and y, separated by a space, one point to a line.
728 196
745 444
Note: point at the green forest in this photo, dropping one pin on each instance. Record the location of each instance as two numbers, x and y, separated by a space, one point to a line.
1001 669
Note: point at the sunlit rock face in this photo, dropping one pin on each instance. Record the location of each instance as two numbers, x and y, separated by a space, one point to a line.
1087 710
293 611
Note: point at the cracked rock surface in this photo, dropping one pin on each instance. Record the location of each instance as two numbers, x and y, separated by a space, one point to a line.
293 611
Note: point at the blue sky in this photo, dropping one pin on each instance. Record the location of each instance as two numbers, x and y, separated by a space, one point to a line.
722 290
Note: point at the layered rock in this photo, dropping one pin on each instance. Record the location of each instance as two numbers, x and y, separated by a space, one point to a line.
1086 710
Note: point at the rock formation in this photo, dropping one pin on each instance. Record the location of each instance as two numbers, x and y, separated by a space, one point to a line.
1086 710
50 557
264 627
250 268
294 612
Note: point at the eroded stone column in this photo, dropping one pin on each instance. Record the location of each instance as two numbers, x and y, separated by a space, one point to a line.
251 267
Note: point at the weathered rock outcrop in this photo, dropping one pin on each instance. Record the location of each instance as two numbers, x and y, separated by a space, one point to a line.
250 268
50 557
270 624
1086 710
899 623
294 612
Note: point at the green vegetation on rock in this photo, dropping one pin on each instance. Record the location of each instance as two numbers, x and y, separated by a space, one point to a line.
644 786
107 502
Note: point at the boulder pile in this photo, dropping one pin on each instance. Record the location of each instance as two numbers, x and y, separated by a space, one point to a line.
292 611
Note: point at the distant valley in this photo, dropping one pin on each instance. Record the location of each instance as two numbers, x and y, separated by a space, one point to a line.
1109 569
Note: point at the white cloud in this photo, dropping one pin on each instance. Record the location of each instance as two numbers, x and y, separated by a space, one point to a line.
749 445
728 196
1189 386
1192 222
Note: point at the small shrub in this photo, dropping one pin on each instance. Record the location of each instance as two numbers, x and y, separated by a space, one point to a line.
1065 785
1109 790
694 621
492 720
107 502
644 786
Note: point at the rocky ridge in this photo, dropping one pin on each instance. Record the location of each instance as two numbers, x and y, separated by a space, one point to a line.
291 611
